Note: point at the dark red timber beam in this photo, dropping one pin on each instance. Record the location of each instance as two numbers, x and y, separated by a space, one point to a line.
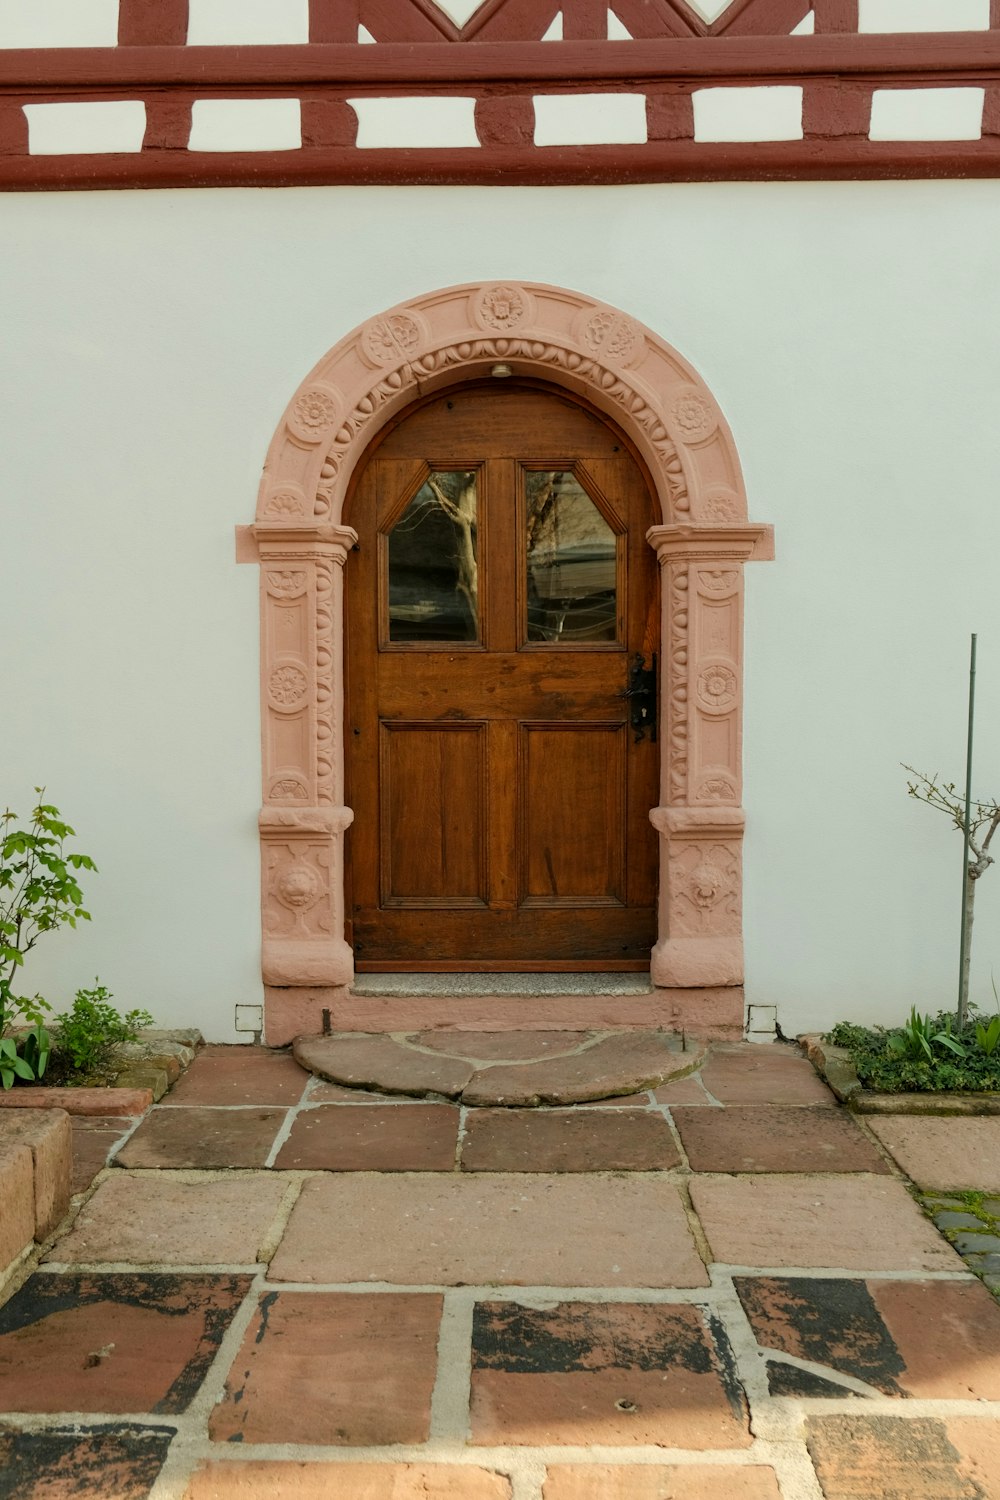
836 69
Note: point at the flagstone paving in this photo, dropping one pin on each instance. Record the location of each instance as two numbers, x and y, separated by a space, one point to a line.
720 1287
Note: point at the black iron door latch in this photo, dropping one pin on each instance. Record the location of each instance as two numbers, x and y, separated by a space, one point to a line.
641 695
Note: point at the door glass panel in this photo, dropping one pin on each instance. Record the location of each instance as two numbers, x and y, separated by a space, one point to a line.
433 562
572 557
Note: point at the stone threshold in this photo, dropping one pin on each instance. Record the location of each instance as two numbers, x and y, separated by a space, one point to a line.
444 984
833 1064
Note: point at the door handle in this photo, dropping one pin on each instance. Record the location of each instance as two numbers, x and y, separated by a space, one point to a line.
641 696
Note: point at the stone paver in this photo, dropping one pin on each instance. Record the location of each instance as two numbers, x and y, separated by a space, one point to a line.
94 1137
415 1229
200 1137
393 1138
565 1140
977 1440
117 1461
154 1219
112 1343
620 1064
962 1362
501 1046
49 1138
859 1457
333 1367
383 1062
268 1479
861 1223
944 1152
321 1091
653 1482
682 1091
877 1331
754 1138
239 1075
616 1374
763 1073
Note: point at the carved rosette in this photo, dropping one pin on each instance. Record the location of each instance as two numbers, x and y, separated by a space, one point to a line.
502 308
695 415
313 414
612 336
397 336
298 894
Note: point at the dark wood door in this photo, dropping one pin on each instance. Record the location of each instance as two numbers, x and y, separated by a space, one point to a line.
500 593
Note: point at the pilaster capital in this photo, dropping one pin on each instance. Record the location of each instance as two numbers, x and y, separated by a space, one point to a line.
746 542
301 822
698 822
269 542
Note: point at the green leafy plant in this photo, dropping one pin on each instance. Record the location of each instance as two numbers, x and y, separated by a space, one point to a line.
918 1037
988 1037
39 893
87 1035
924 1055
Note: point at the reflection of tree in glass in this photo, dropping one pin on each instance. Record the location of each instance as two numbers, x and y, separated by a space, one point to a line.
433 558
571 562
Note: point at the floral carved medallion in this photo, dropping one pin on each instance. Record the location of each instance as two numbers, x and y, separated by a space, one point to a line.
501 307
694 415
387 340
288 685
313 413
717 687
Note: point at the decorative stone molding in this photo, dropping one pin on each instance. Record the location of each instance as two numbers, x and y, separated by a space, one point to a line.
622 369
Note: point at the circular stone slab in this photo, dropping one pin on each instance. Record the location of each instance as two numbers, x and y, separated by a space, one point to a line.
363 1060
624 1063
503 1046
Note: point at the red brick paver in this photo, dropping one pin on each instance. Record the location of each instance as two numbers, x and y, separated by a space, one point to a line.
944 1152
859 1457
240 1075
59 1463
393 1138
755 1138
752 1073
424 1229
566 1140
583 1374
333 1368
653 1482
94 1137
200 1137
155 1219
864 1223
112 1343
264 1479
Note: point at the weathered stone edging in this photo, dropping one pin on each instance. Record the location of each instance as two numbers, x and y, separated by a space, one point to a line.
834 1065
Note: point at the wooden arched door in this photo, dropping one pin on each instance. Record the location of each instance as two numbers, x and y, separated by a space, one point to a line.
499 603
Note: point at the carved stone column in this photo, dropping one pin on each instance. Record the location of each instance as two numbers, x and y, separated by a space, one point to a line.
701 820
303 820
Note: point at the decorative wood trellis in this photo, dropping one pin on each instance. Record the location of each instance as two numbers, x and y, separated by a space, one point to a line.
498 59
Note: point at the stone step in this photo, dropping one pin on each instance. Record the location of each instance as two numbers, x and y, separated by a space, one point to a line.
501 1068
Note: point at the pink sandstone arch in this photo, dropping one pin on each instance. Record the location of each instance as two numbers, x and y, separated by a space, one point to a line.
620 367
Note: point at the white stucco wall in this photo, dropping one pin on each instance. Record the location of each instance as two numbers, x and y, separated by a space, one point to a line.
151 341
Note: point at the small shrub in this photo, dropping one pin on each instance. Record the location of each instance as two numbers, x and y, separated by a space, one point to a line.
39 893
925 1055
87 1035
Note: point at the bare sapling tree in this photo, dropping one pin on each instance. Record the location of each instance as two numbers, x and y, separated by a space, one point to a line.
460 509
984 820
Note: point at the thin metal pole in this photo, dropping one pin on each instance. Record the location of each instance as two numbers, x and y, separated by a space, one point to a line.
963 946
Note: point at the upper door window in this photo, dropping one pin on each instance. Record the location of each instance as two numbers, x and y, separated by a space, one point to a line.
433 562
572 562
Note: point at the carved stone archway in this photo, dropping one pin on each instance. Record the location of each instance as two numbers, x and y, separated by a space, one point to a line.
623 369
